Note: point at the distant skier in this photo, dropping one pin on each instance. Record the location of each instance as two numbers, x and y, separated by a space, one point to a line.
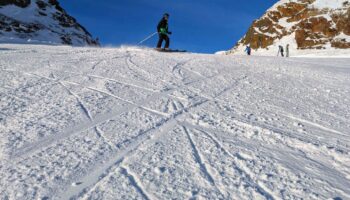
248 49
163 32
280 51
287 50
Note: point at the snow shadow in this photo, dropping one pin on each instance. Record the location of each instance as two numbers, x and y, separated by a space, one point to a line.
5 49
337 198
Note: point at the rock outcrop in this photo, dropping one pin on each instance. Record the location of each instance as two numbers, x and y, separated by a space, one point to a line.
304 24
42 21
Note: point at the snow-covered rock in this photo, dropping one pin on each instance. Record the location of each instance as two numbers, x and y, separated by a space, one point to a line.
40 21
303 24
130 123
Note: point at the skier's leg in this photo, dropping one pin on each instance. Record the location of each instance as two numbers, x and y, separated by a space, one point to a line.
160 41
167 42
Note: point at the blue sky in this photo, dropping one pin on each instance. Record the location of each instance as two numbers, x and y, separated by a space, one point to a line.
204 26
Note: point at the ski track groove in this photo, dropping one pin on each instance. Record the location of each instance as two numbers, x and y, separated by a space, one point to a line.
91 186
92 179
101 91
258 187
198 158
292 135
136 183
123 83
96 64
122 99
52 81
99 174
106 78
180 66
316 125
281 132
101 135
275 130
31 148
320 165
130 63
80 102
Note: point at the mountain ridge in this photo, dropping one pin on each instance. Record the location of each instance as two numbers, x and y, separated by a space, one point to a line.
41 21
304 24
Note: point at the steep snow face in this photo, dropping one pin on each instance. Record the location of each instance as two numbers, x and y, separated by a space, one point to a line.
40 21
303 24
128 123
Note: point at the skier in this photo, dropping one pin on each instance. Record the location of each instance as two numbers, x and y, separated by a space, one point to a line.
287 50
248 50
163 32
280 51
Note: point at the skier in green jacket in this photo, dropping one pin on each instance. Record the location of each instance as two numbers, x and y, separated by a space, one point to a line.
163 32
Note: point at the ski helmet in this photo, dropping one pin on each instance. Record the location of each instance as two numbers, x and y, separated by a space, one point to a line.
166 15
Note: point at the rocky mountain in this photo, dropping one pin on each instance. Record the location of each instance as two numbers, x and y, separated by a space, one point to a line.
40 21
303 24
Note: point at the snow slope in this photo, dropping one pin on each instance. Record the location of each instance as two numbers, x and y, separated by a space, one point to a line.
128 123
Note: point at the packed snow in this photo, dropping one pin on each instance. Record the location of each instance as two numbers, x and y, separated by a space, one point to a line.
319 4
132 123
329 4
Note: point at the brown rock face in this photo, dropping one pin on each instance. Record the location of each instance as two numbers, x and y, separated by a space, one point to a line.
314 32
340 44
342 21
313 27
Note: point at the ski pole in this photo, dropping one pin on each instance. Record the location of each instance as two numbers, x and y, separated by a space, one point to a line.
149 37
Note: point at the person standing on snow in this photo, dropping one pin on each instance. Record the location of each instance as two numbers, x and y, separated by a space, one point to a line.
163 32
280 51
248 50
287 50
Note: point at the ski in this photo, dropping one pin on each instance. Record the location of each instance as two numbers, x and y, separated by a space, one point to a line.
171 50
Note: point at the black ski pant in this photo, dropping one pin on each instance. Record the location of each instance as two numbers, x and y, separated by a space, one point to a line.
281 52
163 37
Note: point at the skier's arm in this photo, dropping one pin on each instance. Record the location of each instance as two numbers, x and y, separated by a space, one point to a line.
167 31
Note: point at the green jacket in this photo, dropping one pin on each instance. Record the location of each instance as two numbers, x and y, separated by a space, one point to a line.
162 27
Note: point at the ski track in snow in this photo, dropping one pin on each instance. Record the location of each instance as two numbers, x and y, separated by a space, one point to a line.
129 123
258 187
